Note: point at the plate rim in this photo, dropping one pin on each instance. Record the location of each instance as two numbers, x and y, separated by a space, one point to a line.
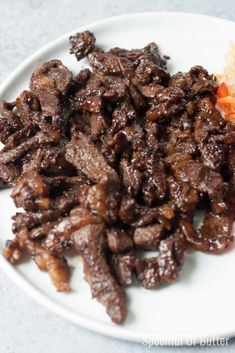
107 329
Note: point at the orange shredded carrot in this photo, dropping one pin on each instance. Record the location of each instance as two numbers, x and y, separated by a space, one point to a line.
222 90
226 100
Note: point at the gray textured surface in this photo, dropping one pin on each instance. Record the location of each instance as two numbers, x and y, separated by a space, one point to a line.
26 25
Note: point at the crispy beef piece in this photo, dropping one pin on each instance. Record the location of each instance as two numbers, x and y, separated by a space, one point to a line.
81 44
180 136
81 79
201 178
213 154
9 174
56 267
154 184
41 138
185 197
137 98
57 236
165 267
19 137
90 98
31 193
98 124
152 133
60 236
122 115
32 219
136 215
166 103
52 161
65 181
60 206
130 141
148 237
101 199
115 87
118 240
151 90
214 235
110 64
28 107
52 74
131 177
147 73
6 111
83 154
123 268
42 231
150 53
12 251
9 121
90 243
200 82
208 121
64 203
49 83
6 130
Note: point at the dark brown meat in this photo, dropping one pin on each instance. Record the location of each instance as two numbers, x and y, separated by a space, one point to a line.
86 158
184 197
49 83
60 235
41 138
90 243
28 107
32 219
102 200
123 268
119 240
6 111
213 236
82 44
31 193
148 237
165 266
131 177
56 267
9 174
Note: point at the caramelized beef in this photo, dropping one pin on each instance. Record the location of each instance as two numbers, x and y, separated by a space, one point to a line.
113 162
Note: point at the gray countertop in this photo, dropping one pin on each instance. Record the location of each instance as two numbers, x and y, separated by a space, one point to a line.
26 25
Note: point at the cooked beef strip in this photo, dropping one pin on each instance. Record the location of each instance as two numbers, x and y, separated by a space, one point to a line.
41 138
9 174
213 236
102 200
166 265
123 267
31 193
60 236
86 158
56 267
28 107
32 219
6 111
90 242
82 44
119 240
148 237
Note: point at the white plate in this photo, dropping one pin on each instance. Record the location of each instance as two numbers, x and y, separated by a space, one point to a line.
201 303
